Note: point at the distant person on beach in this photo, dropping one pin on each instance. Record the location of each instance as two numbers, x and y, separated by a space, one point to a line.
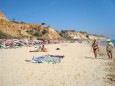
109 49
95 48
43 49
38 48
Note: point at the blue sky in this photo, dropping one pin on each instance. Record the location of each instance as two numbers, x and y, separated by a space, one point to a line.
92 16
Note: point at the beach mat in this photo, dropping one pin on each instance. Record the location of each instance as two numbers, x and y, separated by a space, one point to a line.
47 58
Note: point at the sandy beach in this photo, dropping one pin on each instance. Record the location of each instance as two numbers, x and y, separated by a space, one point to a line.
77 68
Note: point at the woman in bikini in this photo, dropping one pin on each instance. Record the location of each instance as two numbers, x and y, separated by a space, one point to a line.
95 48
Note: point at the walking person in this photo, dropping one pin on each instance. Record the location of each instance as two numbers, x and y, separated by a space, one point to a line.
109 49
95 48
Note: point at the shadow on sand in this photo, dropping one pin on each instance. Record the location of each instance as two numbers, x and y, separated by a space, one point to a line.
99 57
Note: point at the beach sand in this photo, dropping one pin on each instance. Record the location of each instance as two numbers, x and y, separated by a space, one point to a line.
77 68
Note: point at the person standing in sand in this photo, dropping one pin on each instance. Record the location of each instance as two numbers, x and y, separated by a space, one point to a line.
95 48
109 49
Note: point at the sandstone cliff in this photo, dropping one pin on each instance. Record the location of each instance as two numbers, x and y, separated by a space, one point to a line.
20 29
81 35
13 29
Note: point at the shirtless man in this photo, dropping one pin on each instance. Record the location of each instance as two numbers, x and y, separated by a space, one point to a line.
95 48
109 49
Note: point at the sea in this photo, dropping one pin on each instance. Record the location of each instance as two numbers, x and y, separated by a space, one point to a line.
113 41
104 43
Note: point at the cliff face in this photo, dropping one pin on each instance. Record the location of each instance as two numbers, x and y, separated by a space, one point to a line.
76 35
83 35
2 16
20 29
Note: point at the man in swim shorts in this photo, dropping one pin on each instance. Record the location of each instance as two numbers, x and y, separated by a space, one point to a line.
109 49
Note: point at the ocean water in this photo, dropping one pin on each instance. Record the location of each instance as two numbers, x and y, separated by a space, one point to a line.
104 43
113 41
